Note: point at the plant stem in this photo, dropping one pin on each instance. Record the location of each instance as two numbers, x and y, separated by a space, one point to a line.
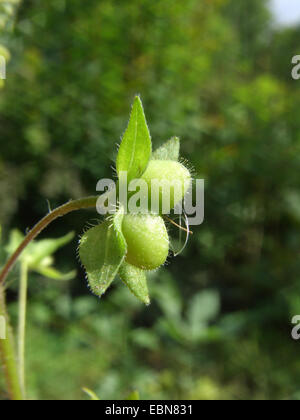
7 354
74 205
22 326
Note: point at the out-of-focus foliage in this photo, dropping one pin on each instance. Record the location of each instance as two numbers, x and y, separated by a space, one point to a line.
38 255
8 10
217 74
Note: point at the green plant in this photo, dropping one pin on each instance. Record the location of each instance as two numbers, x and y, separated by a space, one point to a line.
217 74
138 239
124 244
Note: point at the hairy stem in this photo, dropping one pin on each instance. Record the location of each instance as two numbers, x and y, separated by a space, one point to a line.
7 354
22 326
74 205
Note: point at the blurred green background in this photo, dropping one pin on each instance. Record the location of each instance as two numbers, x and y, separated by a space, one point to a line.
217 73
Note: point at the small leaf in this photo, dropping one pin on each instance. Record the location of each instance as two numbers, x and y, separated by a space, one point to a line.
133 396
91 394
135 279
135 149
102 250
36 251
168 151
38 254
46 247
52 273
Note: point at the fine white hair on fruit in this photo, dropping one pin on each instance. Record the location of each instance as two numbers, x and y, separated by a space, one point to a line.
189 167
114 170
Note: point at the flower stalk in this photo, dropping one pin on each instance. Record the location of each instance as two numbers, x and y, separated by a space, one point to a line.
15 372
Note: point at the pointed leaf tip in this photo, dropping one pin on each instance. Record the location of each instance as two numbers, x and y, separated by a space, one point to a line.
136 147
102 250
136 280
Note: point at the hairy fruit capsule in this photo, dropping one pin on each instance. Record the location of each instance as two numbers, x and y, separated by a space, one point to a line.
171 181
147 240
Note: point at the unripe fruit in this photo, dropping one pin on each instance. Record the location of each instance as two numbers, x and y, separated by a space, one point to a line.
147 240
172 175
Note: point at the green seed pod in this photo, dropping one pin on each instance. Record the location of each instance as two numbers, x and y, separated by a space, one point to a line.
147 240
167 174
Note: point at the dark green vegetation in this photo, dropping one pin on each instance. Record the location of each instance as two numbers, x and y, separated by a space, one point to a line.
217 74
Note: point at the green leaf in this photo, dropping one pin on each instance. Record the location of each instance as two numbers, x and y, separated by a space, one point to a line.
46 247
52 273
102 250
135 149
91 394
133 396
135 279
38 254
36 251
168 151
